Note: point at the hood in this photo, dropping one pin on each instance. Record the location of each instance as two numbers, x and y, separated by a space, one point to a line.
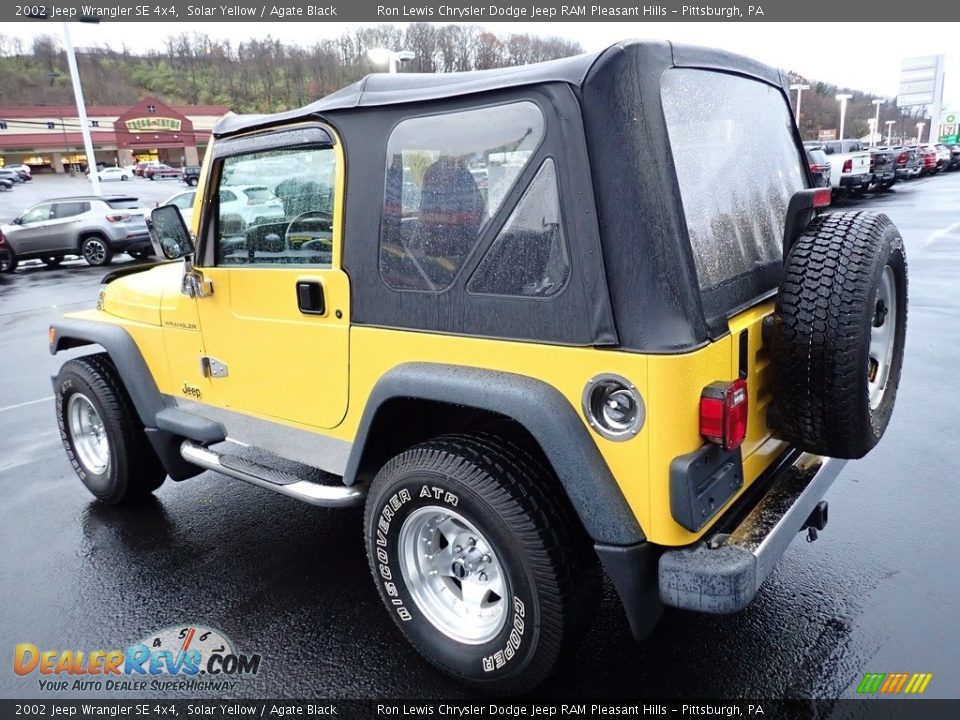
138 296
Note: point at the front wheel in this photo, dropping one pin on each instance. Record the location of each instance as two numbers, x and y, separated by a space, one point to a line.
8 260
102 433
96 251
485 570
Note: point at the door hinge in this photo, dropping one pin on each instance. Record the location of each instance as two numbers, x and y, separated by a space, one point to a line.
211 367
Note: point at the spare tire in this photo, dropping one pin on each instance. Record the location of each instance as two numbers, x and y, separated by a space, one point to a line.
838 334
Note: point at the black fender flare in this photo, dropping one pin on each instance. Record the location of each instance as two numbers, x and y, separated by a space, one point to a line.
536 405
165 425
126 356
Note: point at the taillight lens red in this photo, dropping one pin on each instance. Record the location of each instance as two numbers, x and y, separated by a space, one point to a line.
821 197
3 239
723 413
848 165
902 160
118 218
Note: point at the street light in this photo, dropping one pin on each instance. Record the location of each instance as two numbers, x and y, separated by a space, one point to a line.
843 97
393 60
876 120
920 126
890 124
81 112
799 88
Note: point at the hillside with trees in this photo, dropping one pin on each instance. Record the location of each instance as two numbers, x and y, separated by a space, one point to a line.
257 75
266 75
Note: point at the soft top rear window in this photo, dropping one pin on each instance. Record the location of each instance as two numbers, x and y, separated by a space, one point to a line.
737 166
124 204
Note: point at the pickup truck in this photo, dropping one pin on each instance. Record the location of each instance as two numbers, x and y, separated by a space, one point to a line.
849 164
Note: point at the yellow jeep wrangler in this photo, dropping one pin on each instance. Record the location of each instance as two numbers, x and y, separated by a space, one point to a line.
541 321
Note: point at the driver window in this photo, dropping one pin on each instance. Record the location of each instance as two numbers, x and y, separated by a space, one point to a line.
276 208
36 214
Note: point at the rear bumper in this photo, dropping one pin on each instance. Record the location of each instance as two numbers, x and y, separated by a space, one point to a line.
722 576
855 180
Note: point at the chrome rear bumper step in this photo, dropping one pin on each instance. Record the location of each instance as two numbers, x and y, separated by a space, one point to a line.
724 576
279 481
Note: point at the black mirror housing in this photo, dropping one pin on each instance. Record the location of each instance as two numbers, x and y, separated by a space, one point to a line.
169 234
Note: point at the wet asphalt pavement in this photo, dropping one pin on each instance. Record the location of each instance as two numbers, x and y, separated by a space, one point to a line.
877 593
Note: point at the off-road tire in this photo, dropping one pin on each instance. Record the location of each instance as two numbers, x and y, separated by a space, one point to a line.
96 251
825 313
8 260
506 493
133 469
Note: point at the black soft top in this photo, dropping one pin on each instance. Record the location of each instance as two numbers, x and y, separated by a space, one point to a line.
638 287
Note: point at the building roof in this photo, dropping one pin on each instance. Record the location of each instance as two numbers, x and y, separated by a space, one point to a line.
55 111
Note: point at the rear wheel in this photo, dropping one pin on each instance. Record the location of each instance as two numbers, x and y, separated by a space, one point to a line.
192 181
485 570
840 327
102 433
96 251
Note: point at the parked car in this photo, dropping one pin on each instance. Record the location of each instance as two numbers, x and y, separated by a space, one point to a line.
142 166
161 172
191 175
883 166
94 227
6 183
953 160
24 171
112 173
819 166
11 175
245 205
929 156
183 201
909 162
525 392
849 164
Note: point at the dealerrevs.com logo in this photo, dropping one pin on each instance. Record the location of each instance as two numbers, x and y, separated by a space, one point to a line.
189 657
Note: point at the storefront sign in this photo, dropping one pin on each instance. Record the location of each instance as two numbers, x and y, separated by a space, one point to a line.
153 124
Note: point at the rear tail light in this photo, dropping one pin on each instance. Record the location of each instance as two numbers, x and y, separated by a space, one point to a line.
723 413
848 165
3 239
118 218
902 160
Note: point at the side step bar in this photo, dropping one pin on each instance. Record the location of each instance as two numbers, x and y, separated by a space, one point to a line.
280 482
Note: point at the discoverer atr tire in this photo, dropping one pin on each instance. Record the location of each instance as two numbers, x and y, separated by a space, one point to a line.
102 433
839 330
485 570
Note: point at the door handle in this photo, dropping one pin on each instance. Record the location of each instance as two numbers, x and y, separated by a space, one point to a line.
310 298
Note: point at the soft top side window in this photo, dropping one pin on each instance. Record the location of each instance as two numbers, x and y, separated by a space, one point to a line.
445 177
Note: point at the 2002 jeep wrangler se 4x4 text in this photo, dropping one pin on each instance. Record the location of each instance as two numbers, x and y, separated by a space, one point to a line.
529 323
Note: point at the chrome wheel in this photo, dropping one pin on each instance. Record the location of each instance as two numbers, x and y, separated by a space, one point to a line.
453 575
89 436
883 337
94 252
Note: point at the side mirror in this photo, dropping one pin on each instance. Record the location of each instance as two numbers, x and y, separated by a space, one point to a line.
169 234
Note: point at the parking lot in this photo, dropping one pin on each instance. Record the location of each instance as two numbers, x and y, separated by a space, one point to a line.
877 593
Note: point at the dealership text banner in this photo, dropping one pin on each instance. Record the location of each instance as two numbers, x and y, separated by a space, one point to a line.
475 12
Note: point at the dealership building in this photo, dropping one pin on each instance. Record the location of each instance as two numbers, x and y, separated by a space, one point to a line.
49 138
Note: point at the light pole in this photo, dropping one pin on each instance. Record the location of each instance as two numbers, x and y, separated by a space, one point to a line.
393 60
920 126
890 124
843 97
876 121
81 112
799 88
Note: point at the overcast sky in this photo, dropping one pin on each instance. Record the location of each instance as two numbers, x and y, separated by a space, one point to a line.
865 56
